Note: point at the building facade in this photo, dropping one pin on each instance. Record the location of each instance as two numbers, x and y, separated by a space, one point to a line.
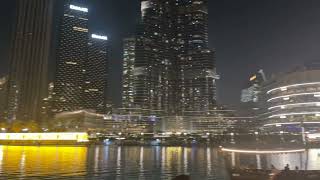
3 97
128 85
29 55
169 69
293 101
82 64
96 75
195 61
71 57
250 96
251 92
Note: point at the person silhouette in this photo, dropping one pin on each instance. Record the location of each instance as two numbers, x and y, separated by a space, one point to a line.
286 168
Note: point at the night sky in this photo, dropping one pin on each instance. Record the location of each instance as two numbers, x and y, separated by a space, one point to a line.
248 35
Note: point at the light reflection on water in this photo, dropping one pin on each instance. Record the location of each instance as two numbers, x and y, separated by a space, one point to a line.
135 162
28 161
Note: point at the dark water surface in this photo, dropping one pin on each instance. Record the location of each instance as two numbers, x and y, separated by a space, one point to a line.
132 162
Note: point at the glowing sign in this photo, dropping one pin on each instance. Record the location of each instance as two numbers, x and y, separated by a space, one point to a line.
95 36
79 137
253 78
78 8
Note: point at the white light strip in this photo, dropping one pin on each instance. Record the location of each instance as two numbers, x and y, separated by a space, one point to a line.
275 124
296 104
83 9
293 85
80 29
262 151
299 94
79 112
95 36
294 113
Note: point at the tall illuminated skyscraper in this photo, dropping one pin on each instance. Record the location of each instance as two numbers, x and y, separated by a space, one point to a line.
195 61
71 58
128 88
169 68
3 95
96 75
82 64
29 54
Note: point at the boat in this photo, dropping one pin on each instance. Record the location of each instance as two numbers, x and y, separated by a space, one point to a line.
250 174
257 174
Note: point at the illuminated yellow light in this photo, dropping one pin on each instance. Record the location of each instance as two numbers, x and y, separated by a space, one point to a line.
47 160
253 78
79 137
262 151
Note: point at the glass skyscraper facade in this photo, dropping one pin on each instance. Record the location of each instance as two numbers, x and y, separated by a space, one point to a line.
3 95
168 67
128 90
96 74
71 57
81 75
29 56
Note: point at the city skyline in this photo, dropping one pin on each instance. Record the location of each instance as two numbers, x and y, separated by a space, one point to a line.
210 89
223 37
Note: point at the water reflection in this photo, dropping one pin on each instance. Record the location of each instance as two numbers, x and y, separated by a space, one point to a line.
308 160
42 161
113 162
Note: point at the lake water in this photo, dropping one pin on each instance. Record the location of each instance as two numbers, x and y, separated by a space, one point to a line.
130 162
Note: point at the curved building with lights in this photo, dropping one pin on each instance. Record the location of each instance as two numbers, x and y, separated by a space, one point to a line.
292 101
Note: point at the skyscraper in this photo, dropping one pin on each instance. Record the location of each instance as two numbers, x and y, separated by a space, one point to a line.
29 56
173 72
96 74
82 64
71 57
251 92
3 94
128 88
